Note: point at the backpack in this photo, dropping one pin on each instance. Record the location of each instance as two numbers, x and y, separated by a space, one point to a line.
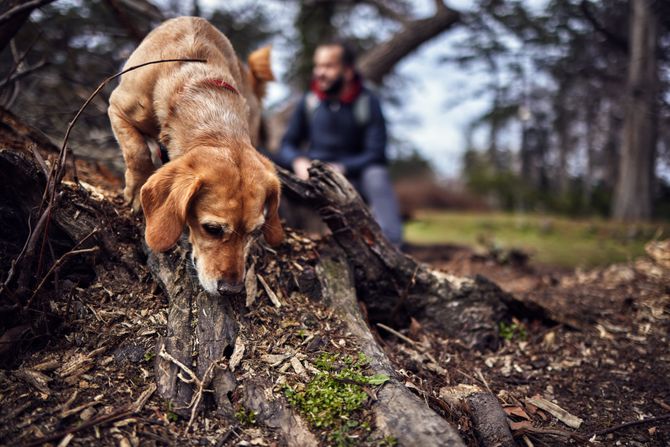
361 108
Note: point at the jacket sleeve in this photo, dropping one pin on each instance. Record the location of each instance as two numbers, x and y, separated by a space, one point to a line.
297 132
374 142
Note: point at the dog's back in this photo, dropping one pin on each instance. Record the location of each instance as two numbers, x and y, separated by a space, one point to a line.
182 104
140 92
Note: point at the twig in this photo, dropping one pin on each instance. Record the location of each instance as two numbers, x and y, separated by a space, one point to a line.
58 169
398 334
201 384
481 377
57 264
62 260
121 413
605 431
198 395
167 356
23 73
27 6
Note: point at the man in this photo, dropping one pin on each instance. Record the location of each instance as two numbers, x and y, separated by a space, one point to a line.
341 123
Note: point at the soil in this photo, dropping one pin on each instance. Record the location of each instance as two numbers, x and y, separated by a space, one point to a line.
603 355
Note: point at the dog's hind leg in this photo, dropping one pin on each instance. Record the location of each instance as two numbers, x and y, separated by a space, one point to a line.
136 155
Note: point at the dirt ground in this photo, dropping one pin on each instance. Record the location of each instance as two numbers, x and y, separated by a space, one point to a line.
600 354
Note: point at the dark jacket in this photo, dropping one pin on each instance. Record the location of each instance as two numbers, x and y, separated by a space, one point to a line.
332 134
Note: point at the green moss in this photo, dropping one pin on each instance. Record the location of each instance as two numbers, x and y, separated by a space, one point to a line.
511 331
333 399
245 416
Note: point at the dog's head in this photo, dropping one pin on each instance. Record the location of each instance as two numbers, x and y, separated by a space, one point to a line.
226 203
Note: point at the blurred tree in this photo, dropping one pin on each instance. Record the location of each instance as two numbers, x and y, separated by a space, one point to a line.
633 196
561 65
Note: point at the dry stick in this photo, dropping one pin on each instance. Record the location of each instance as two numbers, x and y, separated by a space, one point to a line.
397 334
61 260
195 401
665 417
198 394
121 413
27 6
57 264
55 175
18 61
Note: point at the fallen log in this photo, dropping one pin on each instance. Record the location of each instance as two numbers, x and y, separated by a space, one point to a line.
393 286
205 336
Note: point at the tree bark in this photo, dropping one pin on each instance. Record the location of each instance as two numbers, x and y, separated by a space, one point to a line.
394 286
634 191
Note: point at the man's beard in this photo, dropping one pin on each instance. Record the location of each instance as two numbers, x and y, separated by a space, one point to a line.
336 87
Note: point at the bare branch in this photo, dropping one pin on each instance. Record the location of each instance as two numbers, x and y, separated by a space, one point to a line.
23 73
381 59
20 9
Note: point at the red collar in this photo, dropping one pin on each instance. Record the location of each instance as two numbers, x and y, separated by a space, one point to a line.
348 94
220 83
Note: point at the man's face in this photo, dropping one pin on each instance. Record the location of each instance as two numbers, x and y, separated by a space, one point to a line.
328 68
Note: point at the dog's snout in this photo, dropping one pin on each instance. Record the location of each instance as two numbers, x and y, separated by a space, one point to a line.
227 288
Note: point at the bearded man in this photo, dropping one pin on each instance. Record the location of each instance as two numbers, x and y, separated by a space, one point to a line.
339 121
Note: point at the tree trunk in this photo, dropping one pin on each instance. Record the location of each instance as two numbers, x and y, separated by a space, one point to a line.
210 354
634 191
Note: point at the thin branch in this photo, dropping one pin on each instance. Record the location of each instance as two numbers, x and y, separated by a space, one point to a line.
27 6
23 73
605 431
121 413
57 264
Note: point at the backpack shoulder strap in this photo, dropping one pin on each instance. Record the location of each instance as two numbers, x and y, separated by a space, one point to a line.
311 103
362 109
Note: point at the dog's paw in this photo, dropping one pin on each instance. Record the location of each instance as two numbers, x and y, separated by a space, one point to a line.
132 199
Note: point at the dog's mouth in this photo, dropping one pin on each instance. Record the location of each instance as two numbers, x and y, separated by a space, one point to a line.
216 286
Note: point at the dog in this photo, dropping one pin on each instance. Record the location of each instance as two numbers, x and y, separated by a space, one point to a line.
207 115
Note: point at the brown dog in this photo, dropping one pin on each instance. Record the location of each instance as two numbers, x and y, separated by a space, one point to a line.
208 117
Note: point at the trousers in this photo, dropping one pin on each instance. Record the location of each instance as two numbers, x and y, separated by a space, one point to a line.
374 184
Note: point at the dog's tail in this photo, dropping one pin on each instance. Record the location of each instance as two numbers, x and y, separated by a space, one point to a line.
260 70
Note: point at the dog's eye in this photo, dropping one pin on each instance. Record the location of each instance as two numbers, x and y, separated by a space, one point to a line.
256 233
213 230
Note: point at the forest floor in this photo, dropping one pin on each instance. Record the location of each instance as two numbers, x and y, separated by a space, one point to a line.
605 359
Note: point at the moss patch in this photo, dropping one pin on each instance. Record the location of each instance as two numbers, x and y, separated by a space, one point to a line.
334 399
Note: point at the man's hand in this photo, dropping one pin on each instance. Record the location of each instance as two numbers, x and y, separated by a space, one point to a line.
300 166
337 167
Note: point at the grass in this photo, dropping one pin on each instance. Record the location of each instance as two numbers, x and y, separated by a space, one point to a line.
551 240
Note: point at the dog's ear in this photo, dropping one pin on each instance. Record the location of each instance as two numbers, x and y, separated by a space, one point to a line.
165 200
272 229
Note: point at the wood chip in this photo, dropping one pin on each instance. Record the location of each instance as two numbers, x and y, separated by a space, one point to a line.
238 354
297 366
274 359
559 413
251 285
49 365
66 440
35 379
268 290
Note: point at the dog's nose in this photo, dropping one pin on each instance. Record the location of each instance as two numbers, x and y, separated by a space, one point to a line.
226 288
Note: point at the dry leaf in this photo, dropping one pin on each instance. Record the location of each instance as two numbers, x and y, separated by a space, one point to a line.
516 411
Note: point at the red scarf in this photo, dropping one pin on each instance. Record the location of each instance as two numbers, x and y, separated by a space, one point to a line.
349 92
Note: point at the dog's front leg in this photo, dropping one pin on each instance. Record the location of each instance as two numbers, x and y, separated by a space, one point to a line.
139 166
